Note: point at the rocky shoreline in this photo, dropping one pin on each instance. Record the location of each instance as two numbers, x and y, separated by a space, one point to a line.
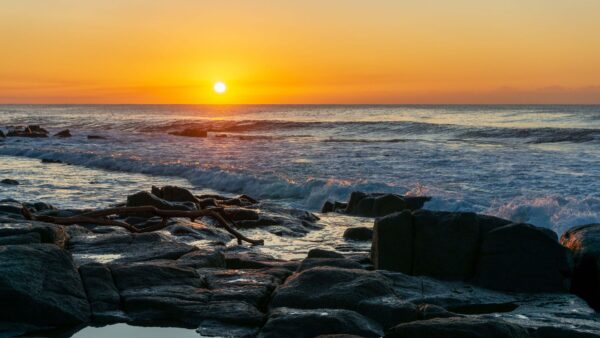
430 274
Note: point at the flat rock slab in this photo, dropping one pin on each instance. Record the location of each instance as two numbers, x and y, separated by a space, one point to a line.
126 247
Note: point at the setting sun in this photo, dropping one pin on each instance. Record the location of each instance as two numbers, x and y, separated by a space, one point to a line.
220 87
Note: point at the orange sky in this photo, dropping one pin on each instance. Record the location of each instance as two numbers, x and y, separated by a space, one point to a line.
287 51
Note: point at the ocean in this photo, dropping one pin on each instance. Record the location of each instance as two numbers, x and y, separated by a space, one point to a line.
538 164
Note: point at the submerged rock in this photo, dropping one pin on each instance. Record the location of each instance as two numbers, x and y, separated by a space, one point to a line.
96 137
29 131
9 181
584 242
63 133
40 285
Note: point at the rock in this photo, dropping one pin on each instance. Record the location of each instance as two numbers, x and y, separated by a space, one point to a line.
366 292
430 311
126 247
63 133
523 258
584 242
378 204
216 328
203 259
27 238
287 322
40 285
343 263
358 233
191 132
392 246
144 275
96 137
559 332
144 198
29 131
47 233
322 253
49 160
327 207
459 328
100 288
440 244
2 134
175 194
9 181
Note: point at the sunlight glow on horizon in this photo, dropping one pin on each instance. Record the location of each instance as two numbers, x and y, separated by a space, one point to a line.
385 51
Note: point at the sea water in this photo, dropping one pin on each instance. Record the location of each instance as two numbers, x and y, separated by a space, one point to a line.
535 164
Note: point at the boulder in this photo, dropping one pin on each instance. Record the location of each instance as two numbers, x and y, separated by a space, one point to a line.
63 133
523 258
175 194
303 323
343 263
358 233
191 132
584 242
392 246
9 181
2 134
40 285
457 327
378 204
327 207
241 214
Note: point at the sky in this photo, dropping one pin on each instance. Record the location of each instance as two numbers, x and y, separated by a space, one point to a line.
308 51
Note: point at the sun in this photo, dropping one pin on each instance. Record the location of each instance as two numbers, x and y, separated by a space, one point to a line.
220 87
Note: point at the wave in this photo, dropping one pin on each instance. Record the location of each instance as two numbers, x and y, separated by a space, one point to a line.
536 135
310 194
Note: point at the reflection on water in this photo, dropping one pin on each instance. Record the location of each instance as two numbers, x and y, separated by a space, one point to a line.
124 330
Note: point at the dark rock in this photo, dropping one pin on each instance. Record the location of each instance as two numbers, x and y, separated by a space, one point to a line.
523 258
358 233
63 133
288 322
9 181
430 311
26 238
100 288
458 327
392 246
126 247
96 137
366 292
327 207
2 134
203 259
49 160
154 273
584 242
144 198
342 263
322 253
445 244
191 132
559 332
174 194
40 285
47 233
29 131
378 204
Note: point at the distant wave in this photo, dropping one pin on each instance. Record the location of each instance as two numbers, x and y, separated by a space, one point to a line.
536 135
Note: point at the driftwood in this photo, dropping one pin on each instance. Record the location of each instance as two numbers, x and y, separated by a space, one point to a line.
99 217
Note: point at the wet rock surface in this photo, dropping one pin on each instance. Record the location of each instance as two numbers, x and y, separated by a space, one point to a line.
375 204
584 242
193 275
